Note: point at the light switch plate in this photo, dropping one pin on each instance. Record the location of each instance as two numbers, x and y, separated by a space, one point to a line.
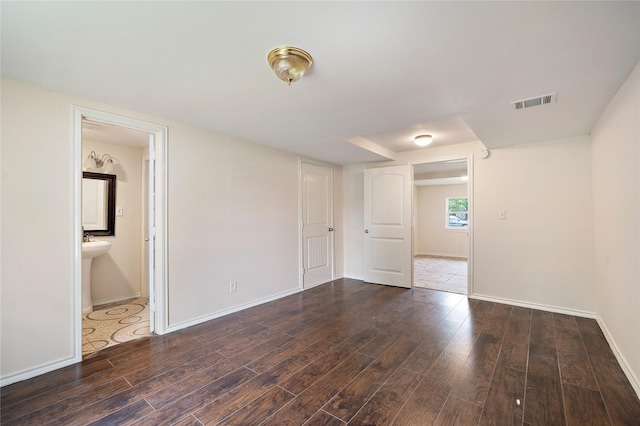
118 211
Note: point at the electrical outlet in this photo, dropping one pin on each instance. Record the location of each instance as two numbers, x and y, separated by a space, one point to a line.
233 286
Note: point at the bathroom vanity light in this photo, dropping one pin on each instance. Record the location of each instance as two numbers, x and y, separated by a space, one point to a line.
289 63
95 162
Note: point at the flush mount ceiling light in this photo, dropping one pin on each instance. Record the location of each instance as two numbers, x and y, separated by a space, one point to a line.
422 140
289 63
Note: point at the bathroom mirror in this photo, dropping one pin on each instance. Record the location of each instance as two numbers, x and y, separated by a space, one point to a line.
98 203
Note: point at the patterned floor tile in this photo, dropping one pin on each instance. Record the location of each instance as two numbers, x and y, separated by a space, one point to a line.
115 323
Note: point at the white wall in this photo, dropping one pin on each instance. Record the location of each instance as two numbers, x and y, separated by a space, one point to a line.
543 252
431 236
232 215
36 308
615 159
540 255
353 217
117 275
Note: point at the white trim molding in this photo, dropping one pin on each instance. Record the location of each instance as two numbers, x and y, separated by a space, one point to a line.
161 134
37 371
635 383
555 309
209 317
97 303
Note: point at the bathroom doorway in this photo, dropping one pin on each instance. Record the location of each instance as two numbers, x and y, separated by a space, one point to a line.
123 283
442 222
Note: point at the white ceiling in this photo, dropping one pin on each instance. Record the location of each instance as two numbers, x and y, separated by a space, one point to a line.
444 168
110 133
383 71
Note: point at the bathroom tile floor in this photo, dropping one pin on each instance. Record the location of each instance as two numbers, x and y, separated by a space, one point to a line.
440 273
115 323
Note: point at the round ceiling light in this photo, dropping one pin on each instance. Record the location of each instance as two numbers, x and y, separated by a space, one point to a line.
422 140
289 63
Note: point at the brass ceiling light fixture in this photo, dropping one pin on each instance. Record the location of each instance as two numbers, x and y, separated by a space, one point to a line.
289 63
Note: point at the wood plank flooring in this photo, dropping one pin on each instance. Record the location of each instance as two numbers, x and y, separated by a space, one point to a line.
346 353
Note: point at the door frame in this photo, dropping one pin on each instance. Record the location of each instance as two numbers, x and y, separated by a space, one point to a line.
144 291
471 221
300 221
160 132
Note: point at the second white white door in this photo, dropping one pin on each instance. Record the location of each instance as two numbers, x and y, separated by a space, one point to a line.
317 223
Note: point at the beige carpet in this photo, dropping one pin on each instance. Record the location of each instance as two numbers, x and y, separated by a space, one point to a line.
440 273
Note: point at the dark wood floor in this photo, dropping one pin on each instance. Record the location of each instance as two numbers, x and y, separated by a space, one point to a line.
346 352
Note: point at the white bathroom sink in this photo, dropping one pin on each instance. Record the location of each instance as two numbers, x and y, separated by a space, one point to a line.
91 249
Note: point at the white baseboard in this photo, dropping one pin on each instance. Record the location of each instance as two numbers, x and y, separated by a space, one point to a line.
635 383
209 317
352 277
555 309
33 372
309 287
633 379
449 256
116 299
47 368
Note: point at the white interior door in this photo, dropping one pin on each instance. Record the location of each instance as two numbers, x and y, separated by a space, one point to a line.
388 254
151 235
317 224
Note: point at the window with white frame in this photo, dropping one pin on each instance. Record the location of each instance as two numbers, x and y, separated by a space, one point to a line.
457 214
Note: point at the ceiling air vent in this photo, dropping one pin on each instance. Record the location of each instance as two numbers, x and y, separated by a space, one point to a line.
539 100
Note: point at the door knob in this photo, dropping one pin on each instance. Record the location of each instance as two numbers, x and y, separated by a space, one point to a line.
330 229
366 231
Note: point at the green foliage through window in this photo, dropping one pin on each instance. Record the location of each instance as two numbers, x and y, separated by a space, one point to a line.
458 204
457 213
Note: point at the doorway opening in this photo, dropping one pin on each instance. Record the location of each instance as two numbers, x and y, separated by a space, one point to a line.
128 285
442 220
